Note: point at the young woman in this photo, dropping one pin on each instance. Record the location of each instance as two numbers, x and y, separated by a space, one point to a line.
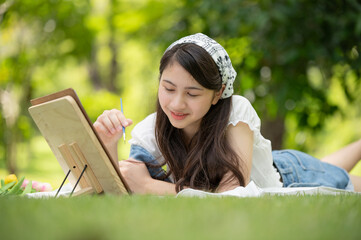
208 138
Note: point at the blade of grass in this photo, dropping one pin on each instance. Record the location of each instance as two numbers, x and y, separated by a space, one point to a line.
28 188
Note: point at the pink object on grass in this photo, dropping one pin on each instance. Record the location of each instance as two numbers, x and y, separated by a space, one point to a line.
38 186
25 183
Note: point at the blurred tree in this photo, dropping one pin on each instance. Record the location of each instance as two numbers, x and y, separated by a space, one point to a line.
34 33
285 53
43 37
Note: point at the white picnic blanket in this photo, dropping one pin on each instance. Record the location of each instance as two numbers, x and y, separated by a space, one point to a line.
64 191
251 190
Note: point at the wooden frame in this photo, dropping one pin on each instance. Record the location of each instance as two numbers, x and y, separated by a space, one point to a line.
69 132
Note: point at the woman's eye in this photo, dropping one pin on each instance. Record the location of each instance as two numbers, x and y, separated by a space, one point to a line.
192 95
169 89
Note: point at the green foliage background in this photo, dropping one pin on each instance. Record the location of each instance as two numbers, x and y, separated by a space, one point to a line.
297 61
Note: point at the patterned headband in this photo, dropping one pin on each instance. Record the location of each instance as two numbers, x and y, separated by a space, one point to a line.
219 55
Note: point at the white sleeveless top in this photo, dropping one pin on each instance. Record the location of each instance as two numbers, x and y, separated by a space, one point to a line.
263 173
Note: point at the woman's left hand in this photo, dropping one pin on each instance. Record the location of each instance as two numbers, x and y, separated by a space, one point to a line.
136 175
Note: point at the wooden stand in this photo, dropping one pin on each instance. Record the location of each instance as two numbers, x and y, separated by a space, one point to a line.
64 124
76 164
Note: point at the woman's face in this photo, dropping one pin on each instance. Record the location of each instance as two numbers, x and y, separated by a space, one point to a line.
183 99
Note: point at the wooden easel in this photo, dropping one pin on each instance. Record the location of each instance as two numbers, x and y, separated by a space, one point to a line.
80 152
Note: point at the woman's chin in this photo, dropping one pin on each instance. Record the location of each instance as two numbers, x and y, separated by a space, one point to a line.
177 125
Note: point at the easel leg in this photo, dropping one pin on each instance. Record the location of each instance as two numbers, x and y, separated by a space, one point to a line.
62 183
76 184
83 191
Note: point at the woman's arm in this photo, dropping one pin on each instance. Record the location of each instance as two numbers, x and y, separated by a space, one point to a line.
241 139
139 180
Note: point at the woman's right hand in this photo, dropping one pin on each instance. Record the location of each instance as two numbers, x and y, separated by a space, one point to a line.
109 126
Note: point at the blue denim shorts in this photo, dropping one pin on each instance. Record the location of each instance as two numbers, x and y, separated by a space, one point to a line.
299 169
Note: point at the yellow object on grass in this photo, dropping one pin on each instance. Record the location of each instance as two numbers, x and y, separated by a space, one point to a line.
11 178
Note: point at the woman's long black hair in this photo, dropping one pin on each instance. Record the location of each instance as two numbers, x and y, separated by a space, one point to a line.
202 163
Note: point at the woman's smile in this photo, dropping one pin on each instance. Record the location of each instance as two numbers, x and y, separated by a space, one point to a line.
179 116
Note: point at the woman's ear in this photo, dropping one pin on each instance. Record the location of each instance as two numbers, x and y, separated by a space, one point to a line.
218 95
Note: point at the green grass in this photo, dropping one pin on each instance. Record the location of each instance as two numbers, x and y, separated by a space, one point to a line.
150 217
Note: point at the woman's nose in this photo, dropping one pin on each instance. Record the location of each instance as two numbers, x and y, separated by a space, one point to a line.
178 102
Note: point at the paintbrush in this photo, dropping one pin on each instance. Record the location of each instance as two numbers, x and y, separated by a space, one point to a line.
121 109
